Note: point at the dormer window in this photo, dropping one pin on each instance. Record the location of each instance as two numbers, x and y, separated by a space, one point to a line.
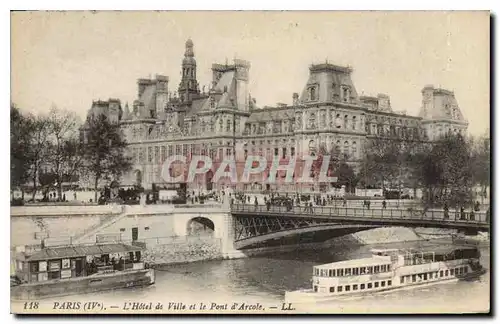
212 102
346 93
312 95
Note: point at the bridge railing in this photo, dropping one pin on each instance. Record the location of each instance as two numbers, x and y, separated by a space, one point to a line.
365 213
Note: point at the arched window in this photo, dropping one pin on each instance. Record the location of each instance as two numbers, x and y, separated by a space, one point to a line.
393 130
346 121
338 121
353 122
312 121
345 94
312 94
337 147
312 148
354 149
228 125
220 125
346 148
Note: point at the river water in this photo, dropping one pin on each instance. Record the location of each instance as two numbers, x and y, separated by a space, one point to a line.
264 280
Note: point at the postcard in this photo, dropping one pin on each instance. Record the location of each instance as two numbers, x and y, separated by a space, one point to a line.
210 162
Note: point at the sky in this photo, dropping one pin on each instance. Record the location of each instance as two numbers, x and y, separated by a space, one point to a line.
68 59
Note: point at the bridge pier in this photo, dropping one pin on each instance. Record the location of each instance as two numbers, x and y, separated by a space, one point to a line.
223 229
228 249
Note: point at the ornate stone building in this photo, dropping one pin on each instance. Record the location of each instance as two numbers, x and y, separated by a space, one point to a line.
224 118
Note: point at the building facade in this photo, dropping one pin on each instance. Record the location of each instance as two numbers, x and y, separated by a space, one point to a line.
223 119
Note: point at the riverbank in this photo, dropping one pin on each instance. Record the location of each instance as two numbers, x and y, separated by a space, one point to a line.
209 250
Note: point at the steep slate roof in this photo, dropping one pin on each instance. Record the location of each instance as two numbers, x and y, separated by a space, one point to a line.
268 114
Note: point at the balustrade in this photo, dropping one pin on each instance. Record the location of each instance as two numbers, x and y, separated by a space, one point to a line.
435 216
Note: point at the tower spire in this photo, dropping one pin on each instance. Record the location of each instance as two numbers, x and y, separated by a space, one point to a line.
188 87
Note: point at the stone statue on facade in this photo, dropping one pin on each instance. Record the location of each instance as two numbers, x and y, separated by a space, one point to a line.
312 121
270 127
298 122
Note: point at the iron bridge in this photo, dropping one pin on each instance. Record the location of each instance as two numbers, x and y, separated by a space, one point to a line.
260 226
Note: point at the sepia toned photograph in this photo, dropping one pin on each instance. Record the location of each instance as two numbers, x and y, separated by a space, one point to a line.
250 162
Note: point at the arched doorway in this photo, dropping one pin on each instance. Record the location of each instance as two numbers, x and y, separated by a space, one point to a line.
200 226
138 177
208 180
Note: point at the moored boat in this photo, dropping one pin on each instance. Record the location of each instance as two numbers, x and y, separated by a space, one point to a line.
78 269
390 269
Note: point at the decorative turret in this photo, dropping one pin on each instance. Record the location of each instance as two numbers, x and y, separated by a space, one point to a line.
126 112
188 87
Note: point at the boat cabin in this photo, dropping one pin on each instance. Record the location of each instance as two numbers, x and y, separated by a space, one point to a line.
72 261
358 267
340 277
440 254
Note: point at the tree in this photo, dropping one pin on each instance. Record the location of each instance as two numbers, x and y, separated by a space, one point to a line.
337 166
481 163
37 148
19 142
382 162
446 171
104 150
65 158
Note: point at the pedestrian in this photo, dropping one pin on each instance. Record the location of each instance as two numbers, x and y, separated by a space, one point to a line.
384 205
64 197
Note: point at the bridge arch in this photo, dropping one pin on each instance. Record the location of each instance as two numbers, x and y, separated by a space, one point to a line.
200 226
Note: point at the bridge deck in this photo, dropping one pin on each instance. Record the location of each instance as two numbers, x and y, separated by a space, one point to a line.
388 217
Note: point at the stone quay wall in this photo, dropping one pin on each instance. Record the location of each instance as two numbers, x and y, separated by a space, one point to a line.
184 250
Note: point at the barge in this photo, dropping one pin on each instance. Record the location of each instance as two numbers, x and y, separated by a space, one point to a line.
78 269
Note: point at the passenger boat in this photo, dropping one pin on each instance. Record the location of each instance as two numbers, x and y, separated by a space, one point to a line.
78 269
390 269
